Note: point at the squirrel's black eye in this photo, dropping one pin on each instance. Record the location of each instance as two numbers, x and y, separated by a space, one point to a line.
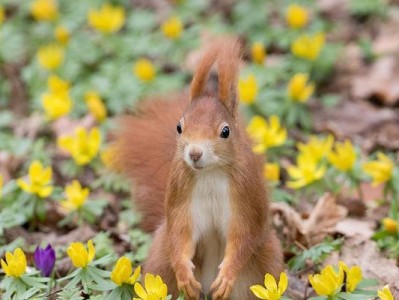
178 128
225 132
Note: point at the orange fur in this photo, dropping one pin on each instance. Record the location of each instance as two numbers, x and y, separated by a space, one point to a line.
155 156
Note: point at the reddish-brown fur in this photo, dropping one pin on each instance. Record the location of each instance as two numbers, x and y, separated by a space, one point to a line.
151 152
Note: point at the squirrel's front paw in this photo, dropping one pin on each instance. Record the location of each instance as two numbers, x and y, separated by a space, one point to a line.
222 286
187 283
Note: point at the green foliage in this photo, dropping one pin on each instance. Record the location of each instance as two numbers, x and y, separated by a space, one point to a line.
315 254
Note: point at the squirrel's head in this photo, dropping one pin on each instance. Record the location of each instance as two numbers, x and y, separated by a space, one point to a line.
208 129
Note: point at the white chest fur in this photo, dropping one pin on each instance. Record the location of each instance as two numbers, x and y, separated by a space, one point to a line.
210 211
210 204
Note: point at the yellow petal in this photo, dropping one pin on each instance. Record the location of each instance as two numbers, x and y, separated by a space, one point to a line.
92 250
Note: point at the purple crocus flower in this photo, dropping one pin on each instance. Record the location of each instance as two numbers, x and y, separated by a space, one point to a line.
45 260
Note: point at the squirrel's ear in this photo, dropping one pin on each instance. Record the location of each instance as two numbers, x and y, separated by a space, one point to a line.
201 74
228 62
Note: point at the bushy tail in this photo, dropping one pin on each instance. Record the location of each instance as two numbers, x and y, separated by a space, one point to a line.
145 147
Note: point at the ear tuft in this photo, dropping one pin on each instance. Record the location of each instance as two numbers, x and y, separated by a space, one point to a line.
228 67
226 52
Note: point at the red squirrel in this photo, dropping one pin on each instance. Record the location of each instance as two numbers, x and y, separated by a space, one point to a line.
200 187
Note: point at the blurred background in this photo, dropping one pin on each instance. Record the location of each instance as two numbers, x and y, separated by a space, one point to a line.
318 86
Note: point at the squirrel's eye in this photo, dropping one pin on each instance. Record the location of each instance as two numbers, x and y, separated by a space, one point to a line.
225 132
178 128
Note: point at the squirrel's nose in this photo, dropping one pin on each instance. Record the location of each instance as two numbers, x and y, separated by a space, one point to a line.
195 155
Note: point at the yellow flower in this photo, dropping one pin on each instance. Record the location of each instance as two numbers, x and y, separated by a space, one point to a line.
78 254
122 272
352 276
56 105
44 10
271 171
271 291
390 225
39 179
299 89
385 293
344 156
155 288
380 170
258 52
15 264
83 146
317 148
305 172
96 106
75 196
62 35
248 89
108 18
144 69
57 102
2 14
109 157
51 56
57 85
172 28
297 16
328 282
308 46
266 134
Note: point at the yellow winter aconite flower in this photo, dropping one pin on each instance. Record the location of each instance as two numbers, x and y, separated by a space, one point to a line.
380 170
144 69
305 172
296 16
56 101
352 277
123 272
172 28
62 35
50 57
258 52
78 254
299 89
271 291
44 10
15 263
248 89
266 134
109 157
385 293
155 288
2 14
38 182
308 46
83 145
108 18
343 157
271 171
390 225
317 148
76 196
96 106
328 282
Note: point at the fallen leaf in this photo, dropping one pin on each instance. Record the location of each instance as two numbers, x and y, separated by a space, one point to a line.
352 227
381 81
352 119
321 222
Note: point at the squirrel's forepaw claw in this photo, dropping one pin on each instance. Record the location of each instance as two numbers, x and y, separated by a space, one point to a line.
222 287
190 287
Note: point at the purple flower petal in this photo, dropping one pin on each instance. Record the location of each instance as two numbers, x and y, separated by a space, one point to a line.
45 260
